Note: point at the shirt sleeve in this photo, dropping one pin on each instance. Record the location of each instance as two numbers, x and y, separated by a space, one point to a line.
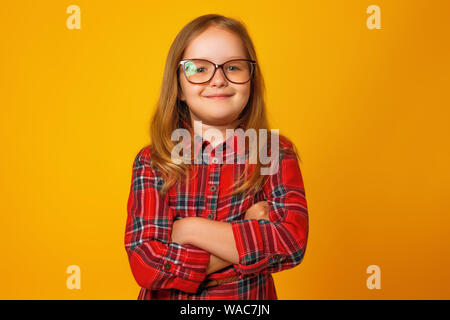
272 246
155 261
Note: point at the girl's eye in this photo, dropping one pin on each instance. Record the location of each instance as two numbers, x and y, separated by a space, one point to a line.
233 68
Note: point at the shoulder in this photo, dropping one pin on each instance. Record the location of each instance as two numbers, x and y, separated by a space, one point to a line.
145 173
287 173
145 152
290 163
144 158
286 147
285 142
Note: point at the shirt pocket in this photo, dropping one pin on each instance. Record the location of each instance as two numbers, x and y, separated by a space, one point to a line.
185 205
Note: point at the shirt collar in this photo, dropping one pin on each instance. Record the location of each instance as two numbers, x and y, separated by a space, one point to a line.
229 148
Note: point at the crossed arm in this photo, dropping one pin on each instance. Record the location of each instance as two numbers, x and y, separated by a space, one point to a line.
152 242
215 237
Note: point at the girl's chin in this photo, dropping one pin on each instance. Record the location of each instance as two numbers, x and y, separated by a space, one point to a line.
221 113
218 119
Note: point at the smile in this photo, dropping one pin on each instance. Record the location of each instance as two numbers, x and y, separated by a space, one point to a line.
219 97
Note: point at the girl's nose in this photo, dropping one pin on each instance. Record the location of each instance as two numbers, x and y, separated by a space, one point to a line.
219 78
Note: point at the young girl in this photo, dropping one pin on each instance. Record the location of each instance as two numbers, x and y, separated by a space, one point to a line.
217 228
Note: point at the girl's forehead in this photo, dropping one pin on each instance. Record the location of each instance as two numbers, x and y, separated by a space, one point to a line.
216 45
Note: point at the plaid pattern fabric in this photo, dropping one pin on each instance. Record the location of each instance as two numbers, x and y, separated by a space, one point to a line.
167 270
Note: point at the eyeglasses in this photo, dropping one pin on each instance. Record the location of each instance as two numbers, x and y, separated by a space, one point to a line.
201 71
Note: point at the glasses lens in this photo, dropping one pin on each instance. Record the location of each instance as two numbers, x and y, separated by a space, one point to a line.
198 70
238 70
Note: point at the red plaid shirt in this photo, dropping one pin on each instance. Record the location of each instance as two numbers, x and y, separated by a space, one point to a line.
168 270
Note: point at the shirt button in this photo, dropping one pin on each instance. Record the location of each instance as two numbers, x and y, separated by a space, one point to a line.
167 266
215 160
213 188
210 216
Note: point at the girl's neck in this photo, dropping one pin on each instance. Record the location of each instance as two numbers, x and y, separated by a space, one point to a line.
222 129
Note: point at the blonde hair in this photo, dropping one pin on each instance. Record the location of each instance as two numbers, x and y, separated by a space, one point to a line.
172 113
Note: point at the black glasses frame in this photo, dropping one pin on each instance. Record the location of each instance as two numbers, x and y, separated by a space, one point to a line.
217 66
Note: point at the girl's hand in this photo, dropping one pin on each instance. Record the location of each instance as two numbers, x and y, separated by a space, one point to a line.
259 211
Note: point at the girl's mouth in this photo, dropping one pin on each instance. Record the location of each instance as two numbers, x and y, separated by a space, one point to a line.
219 97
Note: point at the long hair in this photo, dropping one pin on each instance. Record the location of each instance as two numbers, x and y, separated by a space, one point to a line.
172 113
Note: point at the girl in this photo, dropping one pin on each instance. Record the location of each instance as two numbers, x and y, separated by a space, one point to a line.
215 229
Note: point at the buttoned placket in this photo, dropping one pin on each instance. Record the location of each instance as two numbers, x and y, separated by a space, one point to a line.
212 173
212 187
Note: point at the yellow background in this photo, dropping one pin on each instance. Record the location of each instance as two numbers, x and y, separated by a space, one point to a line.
367 109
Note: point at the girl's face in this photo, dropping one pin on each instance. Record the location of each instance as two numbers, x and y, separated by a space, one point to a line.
218 46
